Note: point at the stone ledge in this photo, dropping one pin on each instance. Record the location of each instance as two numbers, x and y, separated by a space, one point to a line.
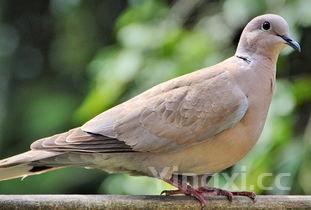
115 202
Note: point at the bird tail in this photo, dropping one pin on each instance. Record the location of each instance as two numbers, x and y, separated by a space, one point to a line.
26 164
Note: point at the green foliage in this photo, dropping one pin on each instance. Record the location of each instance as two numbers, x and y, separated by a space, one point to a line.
91 62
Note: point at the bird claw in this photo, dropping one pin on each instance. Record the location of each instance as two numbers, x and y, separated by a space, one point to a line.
203 192
165 192
171 192
251 195
216 191
189 192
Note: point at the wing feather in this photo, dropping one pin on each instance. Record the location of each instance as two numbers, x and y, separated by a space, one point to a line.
175 114
77 140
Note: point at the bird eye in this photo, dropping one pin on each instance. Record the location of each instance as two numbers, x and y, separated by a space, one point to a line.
266 26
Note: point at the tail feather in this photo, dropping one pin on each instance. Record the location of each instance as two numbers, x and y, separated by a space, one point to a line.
25 164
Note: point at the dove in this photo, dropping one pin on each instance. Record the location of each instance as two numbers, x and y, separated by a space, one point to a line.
194 125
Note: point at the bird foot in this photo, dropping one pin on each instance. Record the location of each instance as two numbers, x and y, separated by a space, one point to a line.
189 191
211 191
202 193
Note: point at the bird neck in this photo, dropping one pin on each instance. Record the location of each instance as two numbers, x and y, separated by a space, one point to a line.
255 50
258 54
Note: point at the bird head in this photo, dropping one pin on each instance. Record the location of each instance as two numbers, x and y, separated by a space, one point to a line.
266 35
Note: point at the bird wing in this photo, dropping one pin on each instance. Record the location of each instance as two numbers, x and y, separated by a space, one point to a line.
169 116
77 140
174 114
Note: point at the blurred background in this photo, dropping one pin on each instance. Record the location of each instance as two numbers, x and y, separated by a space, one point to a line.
63 62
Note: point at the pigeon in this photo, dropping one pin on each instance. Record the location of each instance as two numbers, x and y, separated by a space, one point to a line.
191 126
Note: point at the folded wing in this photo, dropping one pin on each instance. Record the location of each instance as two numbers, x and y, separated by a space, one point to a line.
173 115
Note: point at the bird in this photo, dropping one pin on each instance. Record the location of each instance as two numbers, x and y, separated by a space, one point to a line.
195 125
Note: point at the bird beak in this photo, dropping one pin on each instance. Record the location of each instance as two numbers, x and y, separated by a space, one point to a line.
291 42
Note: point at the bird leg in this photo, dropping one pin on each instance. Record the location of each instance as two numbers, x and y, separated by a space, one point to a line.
185 189
202 193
